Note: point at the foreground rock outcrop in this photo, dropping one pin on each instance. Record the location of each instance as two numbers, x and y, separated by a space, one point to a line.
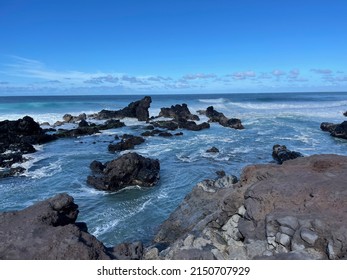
127 170
297 210
47 230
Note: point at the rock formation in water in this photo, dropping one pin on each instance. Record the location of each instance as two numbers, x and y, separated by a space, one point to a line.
128 170
127 143
216 116
137 109
280 153
16 139
336 130
178 112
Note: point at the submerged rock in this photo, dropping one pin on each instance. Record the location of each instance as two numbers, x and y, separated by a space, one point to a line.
212 150
127 170
13 171
280 153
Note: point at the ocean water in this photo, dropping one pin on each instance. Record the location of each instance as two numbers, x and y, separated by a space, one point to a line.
291 119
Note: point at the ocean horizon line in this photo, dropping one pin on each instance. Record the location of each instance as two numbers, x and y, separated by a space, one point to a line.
183 94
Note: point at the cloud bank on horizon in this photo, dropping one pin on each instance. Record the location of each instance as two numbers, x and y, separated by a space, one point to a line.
34 77
205 46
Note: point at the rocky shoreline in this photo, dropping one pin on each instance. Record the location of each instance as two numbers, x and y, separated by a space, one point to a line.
293 208
296 210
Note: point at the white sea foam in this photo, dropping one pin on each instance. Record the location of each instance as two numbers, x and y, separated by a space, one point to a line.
109 222
45 171
279 106
213 100
103 227
132 122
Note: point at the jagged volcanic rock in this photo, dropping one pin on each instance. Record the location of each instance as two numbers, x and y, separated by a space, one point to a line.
137 109
216 116
296 210
127 170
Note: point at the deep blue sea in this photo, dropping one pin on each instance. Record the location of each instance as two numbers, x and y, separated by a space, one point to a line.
290 119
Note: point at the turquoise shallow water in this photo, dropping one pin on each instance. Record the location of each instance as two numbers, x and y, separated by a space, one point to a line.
135 213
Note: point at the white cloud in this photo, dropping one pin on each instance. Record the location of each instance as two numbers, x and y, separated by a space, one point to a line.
242 75
293 74
322 71
103 79
278 73
198 76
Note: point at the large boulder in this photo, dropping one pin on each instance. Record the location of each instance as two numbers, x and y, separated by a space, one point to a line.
47 231
296 210
137 109
127 170
216 116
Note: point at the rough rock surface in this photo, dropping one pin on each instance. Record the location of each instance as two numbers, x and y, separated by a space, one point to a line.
126 144
297 210
137 109
280 153
181 123
216 116
212 150
47 230
178 112
21 133
326 126
336 130
84 128
127 170
16 139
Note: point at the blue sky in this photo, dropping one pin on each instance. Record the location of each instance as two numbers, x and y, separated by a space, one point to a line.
191 46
